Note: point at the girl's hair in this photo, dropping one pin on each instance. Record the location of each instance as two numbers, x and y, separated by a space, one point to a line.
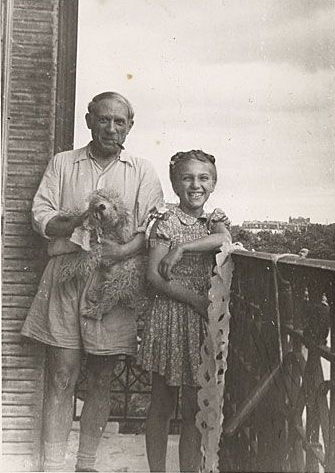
111 95
184 156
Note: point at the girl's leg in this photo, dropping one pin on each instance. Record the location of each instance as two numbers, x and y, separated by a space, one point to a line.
162 407
63 368
190 437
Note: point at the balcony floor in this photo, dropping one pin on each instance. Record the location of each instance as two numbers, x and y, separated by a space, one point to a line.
121 452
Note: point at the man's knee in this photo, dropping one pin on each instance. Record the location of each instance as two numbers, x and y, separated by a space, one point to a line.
101 382
63 379
101 372
101 367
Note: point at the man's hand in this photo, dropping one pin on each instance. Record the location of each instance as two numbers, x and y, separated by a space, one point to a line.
112 251
168 261
80 219
64 225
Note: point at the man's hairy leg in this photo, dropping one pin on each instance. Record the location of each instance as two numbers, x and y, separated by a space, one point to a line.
96 409
63 367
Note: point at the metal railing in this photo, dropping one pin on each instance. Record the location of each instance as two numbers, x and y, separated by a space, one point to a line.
279 406
130 396
279 409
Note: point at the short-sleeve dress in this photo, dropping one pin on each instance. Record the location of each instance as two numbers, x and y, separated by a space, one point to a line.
174 332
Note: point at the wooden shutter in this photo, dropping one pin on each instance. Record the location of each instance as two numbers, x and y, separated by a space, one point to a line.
31 97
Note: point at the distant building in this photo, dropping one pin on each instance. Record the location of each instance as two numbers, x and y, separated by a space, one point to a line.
300 221
299 224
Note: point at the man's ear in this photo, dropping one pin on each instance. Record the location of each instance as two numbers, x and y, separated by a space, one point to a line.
88 118
130 125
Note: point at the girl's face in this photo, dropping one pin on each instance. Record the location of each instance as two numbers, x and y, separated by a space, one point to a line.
194 181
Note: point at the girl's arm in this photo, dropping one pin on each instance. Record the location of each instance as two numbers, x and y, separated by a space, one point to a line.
172 289
112 251
206 244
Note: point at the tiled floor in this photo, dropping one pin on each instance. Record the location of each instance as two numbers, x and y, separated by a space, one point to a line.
121 452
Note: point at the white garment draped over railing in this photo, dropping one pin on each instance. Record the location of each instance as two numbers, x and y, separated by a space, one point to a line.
214 352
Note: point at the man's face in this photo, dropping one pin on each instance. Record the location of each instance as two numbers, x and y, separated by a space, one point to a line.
109 125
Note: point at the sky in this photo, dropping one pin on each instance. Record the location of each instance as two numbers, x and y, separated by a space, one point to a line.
249 81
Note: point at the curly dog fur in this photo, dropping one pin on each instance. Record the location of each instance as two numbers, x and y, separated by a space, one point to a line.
123 283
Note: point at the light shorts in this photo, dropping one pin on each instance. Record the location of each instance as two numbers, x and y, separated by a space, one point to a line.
54 318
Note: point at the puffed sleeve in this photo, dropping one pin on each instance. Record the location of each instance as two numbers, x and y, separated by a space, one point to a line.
218 216
161 230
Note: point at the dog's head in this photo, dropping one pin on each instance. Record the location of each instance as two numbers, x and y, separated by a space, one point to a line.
107 208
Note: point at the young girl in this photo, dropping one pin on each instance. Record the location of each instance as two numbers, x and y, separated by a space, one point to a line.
181 247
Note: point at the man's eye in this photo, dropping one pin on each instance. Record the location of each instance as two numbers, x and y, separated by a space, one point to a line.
102 120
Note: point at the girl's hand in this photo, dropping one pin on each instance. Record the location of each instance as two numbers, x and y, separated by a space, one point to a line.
111 251
168 261
201 306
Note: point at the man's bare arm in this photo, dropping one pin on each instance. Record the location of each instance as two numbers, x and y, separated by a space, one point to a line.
64 225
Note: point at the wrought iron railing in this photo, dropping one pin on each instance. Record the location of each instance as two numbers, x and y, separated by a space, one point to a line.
130 396
130 393
279 409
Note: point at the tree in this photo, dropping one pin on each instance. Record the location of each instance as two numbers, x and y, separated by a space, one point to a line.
318 239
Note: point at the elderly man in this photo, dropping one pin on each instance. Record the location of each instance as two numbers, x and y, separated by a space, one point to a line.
54 317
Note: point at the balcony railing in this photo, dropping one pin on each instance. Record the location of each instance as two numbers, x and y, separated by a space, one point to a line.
279 409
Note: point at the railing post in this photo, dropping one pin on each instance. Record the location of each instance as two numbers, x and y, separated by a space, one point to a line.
278 398
330 454
292 371
271 435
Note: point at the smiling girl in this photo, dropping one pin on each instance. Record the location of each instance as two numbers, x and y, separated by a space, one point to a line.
182 243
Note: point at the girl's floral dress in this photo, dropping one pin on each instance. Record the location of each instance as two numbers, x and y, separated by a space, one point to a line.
174 331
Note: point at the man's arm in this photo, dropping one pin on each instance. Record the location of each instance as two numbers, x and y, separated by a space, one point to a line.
63 226
46 200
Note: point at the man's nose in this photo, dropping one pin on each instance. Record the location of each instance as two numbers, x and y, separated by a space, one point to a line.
110 126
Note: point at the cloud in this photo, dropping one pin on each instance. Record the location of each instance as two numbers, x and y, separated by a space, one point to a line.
299 32
240 80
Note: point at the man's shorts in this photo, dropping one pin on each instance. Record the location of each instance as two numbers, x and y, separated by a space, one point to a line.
54 318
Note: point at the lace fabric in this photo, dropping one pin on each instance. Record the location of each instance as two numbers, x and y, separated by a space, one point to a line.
213 365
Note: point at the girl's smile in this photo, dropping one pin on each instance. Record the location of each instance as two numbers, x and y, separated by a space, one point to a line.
193 184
